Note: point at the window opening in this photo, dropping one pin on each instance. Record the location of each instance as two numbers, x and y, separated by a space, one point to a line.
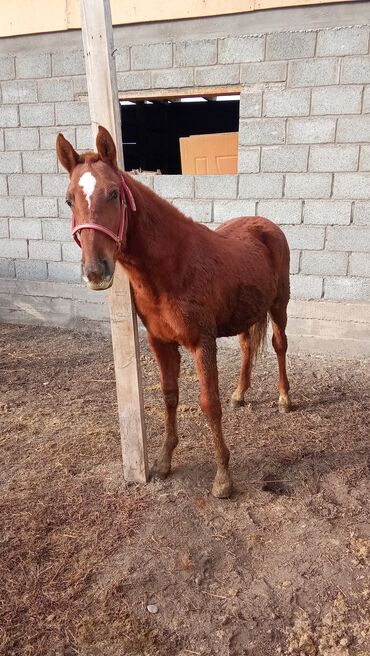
189 135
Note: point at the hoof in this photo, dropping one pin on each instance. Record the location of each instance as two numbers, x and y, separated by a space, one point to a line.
222 488
284 404
236 403
160 470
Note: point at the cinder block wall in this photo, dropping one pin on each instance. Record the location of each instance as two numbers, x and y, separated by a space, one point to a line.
304 156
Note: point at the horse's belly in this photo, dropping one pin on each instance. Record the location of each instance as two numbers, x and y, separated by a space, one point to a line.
243 308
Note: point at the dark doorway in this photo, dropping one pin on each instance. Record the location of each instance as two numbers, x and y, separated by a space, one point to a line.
151 129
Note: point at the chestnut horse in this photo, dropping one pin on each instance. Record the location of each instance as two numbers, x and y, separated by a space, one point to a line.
190 284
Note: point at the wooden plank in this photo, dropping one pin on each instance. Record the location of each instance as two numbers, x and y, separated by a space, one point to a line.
97 36
184 92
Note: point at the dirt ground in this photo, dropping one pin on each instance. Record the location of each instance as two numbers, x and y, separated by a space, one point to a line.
282 568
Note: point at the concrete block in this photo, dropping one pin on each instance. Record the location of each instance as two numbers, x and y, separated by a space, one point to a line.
216 186
174 186
151 55
364 158
250 104
199 210
9 116
261 185
41 207
74 113
313 72
55 90
54 184
324 263
11 206
310 130
351 185
64 271
48 137
7 268
238 49
3 186
306 287
327 212
342 41
213 75
25 228
254 131
173 78
21 139
33 65
37 115
196 53
248 160
282 212
13 248
71 252
68 62
359 265
355 70
290 45
339 99
147 180
303 237
263 72
19 91
10 162
294 261
286 158
56 230
44 250
286 102
7 67
24 184
347 289
79 85
4 228
2 140
31 270
308 185
361 213
134 81
366 102
228 209
84 138
348 238
39 161
122 57
352 129
333 158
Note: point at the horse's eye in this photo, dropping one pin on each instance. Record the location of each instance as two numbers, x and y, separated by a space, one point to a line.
69 202
113 194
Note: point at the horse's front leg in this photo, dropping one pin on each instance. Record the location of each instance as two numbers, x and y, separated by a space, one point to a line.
206 364
168 359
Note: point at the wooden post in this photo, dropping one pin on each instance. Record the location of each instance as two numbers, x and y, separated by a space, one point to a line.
97 34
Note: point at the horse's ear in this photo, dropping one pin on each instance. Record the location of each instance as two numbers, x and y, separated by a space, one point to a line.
66 153
105 147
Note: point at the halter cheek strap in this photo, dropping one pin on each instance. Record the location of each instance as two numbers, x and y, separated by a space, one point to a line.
125 197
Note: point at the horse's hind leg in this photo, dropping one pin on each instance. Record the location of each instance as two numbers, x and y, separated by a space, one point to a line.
168 358
206 364
278 314
237 398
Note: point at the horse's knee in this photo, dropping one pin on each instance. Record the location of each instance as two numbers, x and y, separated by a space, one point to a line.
171 399
211 407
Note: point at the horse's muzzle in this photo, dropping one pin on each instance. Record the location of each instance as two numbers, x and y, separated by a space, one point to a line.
98 275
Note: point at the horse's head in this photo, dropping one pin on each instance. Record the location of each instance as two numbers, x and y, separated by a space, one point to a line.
96 195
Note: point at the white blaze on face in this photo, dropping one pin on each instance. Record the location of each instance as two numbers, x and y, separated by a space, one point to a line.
87 182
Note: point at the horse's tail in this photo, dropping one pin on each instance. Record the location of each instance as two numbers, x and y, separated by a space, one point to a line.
257 336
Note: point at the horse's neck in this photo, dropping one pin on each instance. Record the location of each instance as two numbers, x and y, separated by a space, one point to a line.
155 238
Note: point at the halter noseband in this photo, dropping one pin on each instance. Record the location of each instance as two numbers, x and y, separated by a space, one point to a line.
125 194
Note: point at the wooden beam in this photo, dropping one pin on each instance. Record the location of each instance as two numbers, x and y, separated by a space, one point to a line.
97 34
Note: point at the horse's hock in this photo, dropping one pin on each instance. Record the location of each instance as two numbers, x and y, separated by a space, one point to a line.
303 159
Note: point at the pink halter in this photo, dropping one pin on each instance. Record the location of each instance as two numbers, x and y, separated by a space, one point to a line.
124 193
